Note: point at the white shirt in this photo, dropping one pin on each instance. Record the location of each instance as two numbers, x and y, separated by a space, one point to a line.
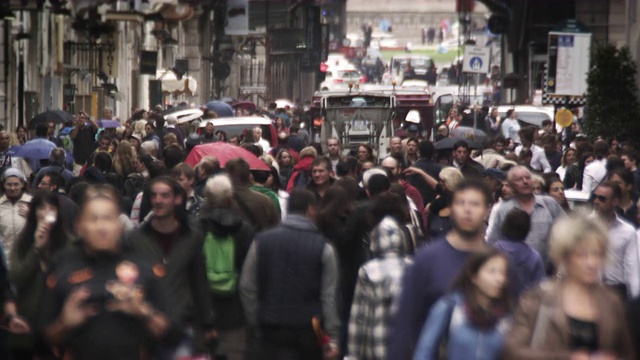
264 144
623 265
510 129
593 175
538 158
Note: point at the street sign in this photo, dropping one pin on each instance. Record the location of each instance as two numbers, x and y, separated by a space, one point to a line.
569 54
476 59
564 117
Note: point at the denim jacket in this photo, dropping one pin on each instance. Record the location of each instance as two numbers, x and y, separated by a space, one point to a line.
465 341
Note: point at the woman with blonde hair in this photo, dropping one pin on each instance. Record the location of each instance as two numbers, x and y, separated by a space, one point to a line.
438 211
124 160
574 316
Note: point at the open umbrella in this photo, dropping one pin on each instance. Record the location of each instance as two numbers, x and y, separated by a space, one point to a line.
108 124
467 132
221 108
247 105
283 103
36 149
55 116
224 152
447 143
183 113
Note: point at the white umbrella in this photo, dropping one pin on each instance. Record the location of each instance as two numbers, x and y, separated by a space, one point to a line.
185 115
282 103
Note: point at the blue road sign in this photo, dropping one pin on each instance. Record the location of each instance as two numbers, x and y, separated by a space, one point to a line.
475 63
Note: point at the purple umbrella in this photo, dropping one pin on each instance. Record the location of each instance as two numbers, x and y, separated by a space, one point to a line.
108 124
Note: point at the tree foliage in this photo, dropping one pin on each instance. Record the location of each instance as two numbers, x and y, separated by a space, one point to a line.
612 95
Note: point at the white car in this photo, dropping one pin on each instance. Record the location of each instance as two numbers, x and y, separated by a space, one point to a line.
340 78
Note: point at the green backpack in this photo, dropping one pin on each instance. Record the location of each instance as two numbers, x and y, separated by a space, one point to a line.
220 257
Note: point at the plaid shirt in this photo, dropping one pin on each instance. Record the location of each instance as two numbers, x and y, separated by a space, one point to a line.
379 281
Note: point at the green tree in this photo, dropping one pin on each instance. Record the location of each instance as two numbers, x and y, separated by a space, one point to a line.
612 95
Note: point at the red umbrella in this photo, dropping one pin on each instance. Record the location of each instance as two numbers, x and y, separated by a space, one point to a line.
224 152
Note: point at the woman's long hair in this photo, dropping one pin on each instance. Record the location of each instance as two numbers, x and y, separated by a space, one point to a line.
124 160
58 237
332 206
477 315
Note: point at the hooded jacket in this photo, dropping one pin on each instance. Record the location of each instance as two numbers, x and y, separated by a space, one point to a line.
379 282
221 223
527 262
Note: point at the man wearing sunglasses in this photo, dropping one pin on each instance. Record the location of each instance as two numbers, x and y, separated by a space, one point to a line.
622 271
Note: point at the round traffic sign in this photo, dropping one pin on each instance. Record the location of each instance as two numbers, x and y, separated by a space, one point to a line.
564 117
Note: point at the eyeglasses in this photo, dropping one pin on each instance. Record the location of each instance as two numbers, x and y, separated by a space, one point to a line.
601 198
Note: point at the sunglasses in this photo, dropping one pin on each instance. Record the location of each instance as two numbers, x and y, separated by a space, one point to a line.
601 198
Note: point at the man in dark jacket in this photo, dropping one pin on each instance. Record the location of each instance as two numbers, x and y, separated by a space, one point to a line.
255 208
169 237
463 162
218 220
426 164
289 278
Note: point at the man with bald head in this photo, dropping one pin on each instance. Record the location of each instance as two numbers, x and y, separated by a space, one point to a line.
544 211
396 151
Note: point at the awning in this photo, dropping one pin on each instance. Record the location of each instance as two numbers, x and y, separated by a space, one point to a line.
171 84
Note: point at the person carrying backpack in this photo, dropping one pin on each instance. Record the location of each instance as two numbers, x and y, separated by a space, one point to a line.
527 262
227 239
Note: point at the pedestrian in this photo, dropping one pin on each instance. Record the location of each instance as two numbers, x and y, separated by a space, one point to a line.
492 123
170 237
473 318
57 161
596 171
574 316
538 161
333 152
544 211
411 155
53 182
511 127
365 153
14 207
226 244
396 151
100 301
575 173
84 143
439 210
206 168
569 158
289 279
627 208
321 178
171 128
622 273
41 240
285 166
260 180
257 209
208 136
425 163
463 162
435 266
301 174
184 174
555 188
526 261
379 281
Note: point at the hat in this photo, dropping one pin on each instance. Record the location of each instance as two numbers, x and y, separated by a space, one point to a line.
13 172
136 136
369 173
413 128
495 174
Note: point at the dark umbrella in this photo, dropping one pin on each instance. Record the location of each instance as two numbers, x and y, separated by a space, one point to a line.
468 133
447 143
108 124
221 108
55 116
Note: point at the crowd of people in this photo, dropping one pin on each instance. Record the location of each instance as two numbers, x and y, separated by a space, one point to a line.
115 248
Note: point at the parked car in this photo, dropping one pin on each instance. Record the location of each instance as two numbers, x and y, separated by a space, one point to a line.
340 78
528 114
